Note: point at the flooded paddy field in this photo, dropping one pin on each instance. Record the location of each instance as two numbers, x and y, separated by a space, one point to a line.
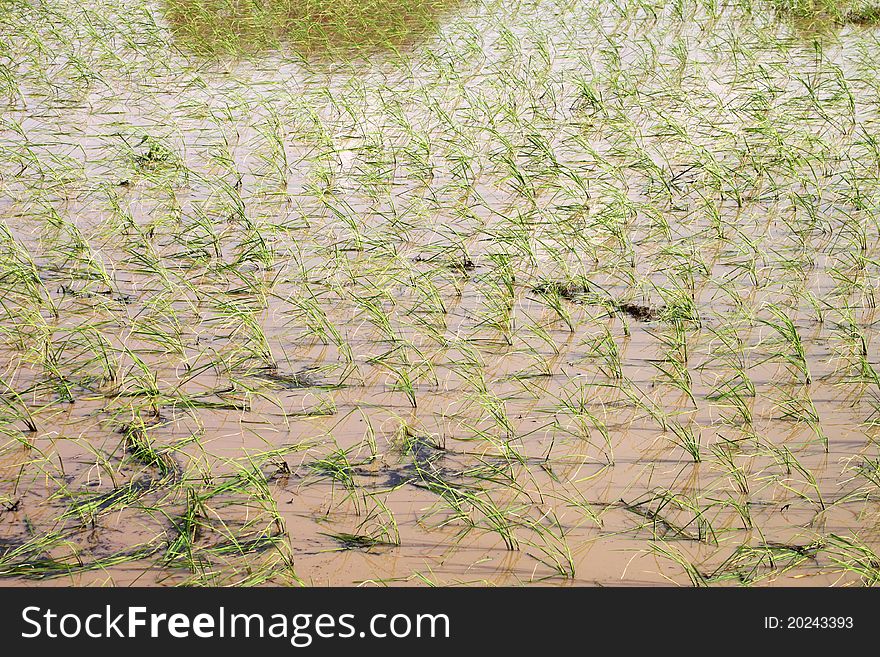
439 292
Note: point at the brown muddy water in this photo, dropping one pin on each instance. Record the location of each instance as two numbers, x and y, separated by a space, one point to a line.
478 293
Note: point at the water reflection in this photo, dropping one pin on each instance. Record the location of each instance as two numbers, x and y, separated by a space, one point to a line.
312 27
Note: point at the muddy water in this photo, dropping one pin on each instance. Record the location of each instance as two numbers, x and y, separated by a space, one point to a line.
310 28
452 306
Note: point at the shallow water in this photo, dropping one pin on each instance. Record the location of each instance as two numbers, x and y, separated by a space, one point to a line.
460 303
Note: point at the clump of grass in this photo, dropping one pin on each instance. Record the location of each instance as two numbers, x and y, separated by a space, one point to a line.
862 12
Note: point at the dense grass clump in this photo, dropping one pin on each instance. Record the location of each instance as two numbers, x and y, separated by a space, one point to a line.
490 292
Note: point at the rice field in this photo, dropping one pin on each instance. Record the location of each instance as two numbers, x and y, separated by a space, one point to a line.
439 292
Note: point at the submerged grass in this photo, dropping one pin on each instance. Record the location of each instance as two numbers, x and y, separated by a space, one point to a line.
439 292
860 12
313 27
